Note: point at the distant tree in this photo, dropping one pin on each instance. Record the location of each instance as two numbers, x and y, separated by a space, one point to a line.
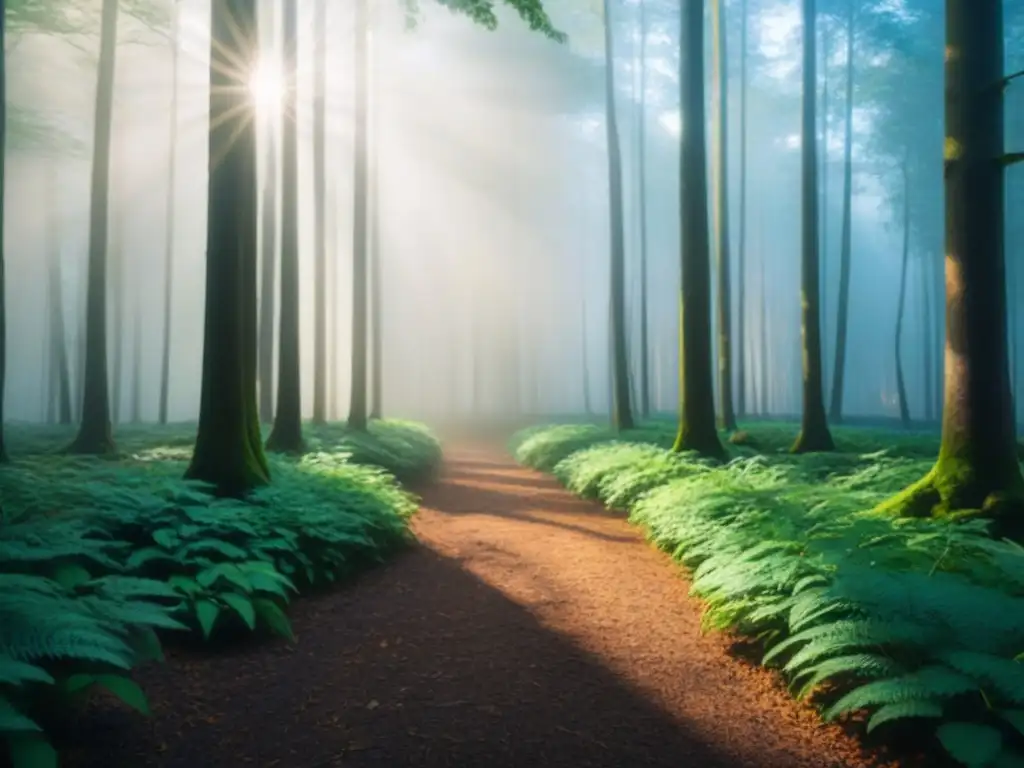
357 411
286 434
724 283
741 251
814 433
60 371
645 352
3 184
319 220
94 434
228 451
901 387
268 254
621 411
977 470
172 191
696 389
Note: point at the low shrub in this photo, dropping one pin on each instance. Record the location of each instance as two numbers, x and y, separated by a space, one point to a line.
907 619
97 555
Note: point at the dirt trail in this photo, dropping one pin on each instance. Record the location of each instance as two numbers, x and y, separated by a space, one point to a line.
528 629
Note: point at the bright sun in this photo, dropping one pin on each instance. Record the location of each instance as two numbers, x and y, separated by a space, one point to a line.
266 86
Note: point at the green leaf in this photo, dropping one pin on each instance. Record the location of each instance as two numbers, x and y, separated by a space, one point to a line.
141 557
166 537
973 745
185 585
70 575
228 571
14 672
13 721
31 750
1014 717
904 709
207 613
242 605
78 682
126 689
274 617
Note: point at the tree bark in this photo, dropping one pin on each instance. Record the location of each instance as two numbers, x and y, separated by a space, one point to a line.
621 410
814 433
3 184
846 253
697 430
645 353
228 452
172 191
976 472
926 343
357 411
901 388
286 434
826 52
727 417
319 223
741 253
94 434
376 288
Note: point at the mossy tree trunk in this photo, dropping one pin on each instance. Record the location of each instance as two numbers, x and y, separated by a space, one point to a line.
727 415
621 410
977 469
901 387
319 210
697 430
846 251
357 411
172 191
228 451
286 434
741 251
94 433
814 433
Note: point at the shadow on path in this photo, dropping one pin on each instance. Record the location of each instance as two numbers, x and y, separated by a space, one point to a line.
498 642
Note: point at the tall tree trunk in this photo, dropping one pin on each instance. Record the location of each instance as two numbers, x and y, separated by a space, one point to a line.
621 410
814 433
357 411
3 294
926 345
116 255
825 55
319 224
268 273
728 415
58 331
901 388
376 289
645 353
94 434
846 254
977 467
228 451
333 264
172 191
741 254
136 410
588 404
763 325
286 434
697 430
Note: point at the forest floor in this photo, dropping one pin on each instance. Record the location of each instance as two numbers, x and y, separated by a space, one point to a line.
526 628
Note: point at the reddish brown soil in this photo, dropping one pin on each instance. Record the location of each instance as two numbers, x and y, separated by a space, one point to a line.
528 629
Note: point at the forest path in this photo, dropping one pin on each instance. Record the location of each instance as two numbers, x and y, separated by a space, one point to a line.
528 629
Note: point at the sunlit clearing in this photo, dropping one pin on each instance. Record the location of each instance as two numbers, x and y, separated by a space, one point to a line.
267 87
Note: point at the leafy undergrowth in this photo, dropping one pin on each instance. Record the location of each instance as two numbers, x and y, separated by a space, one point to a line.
97 555
910 621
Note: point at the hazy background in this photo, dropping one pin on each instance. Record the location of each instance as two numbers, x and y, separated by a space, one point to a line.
493 208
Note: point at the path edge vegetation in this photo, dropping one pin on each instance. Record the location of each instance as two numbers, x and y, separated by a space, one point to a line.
107 561
916 621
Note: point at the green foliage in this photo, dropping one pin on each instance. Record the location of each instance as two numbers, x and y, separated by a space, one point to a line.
483 12
903 618
97 555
